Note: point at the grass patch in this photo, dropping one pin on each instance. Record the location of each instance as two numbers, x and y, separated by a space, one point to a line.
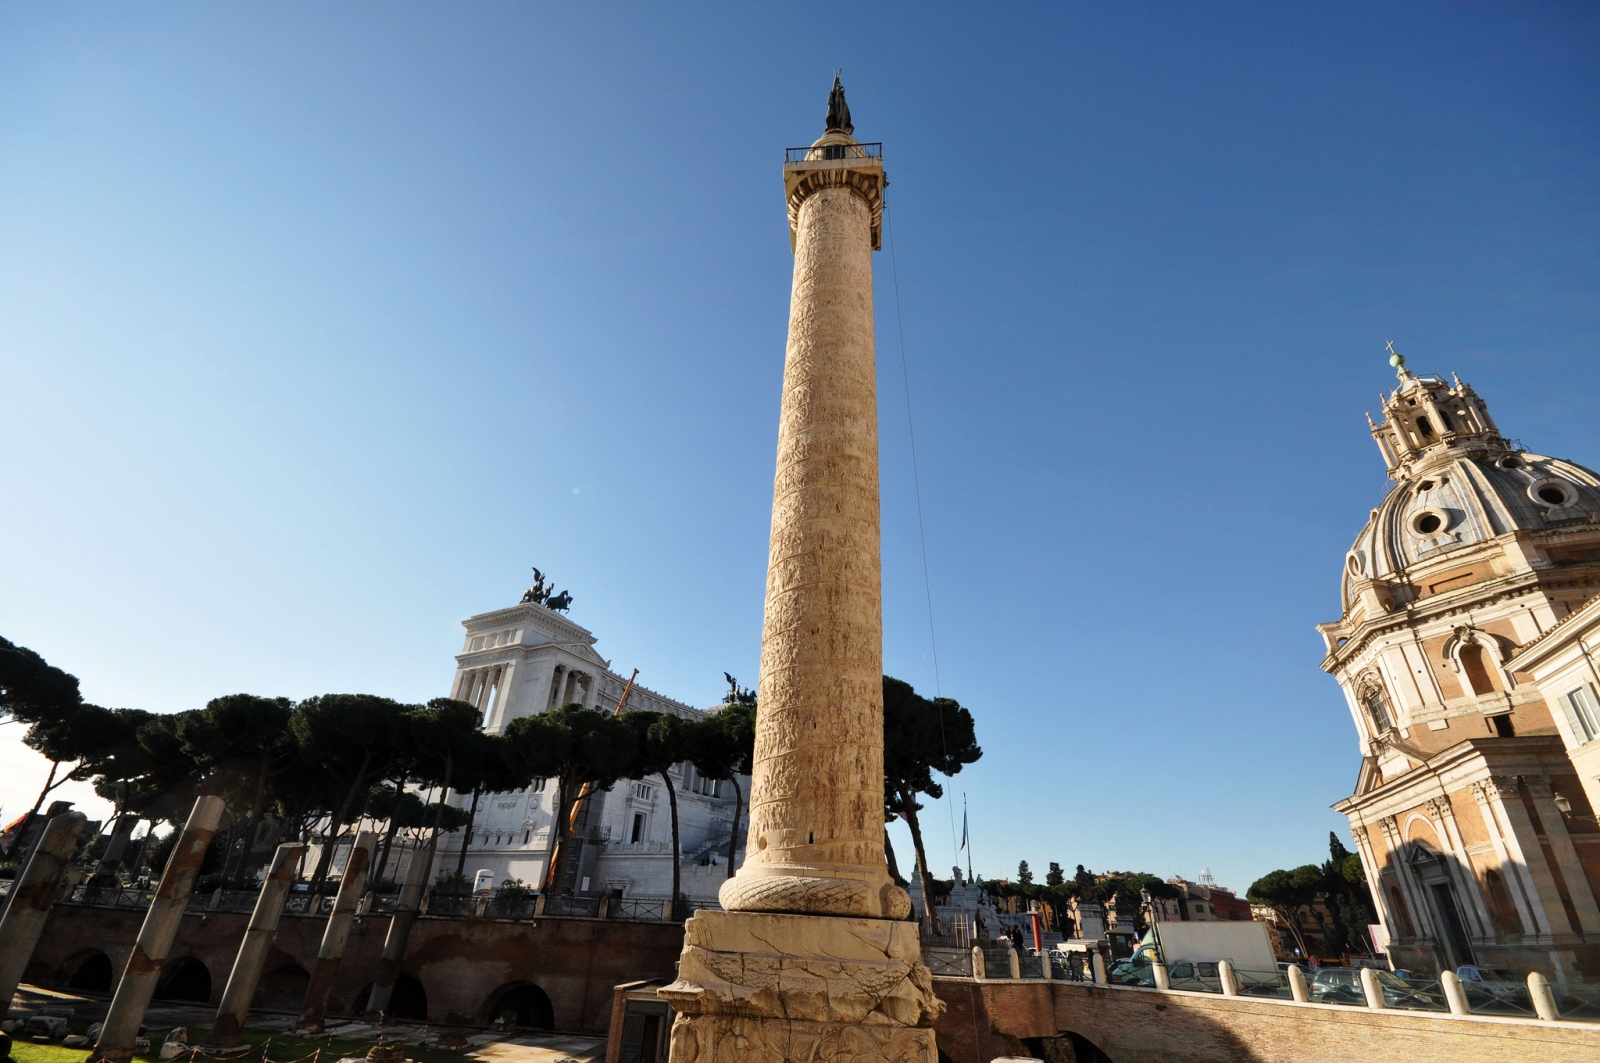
282 1049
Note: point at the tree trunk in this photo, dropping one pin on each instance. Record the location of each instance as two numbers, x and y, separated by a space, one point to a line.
677 847
558 863
733 838
232 869
466 838
49 784
888 855
388 835
908 809
336 823
1291 916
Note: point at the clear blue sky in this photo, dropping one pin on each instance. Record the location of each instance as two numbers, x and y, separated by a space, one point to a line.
321 324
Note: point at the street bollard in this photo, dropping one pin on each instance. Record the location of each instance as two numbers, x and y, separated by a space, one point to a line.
1297 985
1014 963
394 943
235 1006
1454 995
161 922
980 971
1372 988
31 897
1097 964
1158 971
1544 1001
1044 966
1230 979
326 969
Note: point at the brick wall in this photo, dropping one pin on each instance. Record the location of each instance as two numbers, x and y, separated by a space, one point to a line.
462 964
1064 1023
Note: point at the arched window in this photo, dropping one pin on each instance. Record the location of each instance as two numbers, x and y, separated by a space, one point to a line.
1425 428
1378 710
1477 674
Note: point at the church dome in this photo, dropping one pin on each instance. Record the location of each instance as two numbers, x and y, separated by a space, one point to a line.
1467 499
1460 483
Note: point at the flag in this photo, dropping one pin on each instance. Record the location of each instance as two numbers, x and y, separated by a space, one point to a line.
963 827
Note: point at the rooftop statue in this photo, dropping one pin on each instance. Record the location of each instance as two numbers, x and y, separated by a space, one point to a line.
544 593
838 110
738 695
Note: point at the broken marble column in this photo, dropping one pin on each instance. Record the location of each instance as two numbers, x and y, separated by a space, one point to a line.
150 950
241 988
326 969
812 959
105 873
33 893
394 944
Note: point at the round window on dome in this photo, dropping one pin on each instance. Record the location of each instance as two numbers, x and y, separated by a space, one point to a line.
1551 493
1510 463
1428 523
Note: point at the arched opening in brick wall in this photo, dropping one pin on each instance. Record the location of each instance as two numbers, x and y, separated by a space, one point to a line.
521 1004
185 978
282 988
409 1000
89 971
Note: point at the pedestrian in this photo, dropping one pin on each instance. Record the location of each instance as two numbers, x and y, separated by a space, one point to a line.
5 1048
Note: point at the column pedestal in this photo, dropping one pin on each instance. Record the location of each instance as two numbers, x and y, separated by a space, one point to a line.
756 987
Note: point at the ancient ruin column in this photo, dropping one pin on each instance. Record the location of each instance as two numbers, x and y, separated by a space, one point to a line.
106 872
143 970
253 949
31 897
326 969
812 960
405 913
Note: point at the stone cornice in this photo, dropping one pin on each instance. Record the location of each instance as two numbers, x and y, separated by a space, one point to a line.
1431 610
1552 641
548 619
863 176
1436 776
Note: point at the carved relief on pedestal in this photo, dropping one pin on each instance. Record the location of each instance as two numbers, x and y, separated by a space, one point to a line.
803 967
734 1039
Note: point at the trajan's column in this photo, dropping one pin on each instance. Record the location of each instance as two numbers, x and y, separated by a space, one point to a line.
813 959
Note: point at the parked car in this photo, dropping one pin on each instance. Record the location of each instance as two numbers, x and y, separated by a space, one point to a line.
1196 976
1342 985
1136 971
1485 982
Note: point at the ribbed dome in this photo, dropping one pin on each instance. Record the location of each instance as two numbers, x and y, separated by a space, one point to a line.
1461 500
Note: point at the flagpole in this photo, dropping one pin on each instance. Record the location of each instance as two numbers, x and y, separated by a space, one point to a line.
964 836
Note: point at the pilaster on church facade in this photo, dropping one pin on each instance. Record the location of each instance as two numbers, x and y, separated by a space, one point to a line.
1473 813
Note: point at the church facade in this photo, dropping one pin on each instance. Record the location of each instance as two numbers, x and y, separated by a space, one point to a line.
528 659
1474 808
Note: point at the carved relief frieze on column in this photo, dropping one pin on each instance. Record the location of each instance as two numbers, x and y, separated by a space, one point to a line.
813 961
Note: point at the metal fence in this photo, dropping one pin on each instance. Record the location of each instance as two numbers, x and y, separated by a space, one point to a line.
588 907
638 908
948 962
873 150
